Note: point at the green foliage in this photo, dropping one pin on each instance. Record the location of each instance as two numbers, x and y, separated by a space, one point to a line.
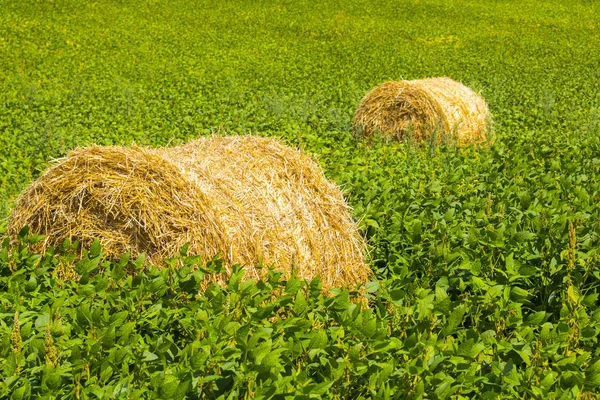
122 330
74 73
487 259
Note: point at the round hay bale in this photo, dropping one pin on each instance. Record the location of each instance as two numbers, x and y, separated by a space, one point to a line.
131 199
432 109
249 199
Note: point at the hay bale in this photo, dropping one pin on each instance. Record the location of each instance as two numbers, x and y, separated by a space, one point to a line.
249 199
131 199
424 110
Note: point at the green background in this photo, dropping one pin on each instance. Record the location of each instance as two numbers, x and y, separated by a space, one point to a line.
487 258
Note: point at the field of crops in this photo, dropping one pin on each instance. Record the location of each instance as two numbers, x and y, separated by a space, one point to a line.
487 259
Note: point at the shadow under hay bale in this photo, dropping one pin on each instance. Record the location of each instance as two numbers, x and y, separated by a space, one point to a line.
434 109
249 199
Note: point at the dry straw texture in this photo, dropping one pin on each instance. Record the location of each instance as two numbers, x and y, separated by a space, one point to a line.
425 109
249 199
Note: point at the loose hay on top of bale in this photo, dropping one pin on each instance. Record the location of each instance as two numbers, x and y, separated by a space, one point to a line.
424 110
249 199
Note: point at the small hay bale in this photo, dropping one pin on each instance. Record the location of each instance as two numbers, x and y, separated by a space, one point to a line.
249 199
424 110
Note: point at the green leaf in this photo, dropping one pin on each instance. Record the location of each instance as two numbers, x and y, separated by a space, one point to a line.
300 304
590 300
23 392
272 358
592 376
518 294
148 356
183 251
293 285
23 233
119 318
317 389
435 187
416 230
454 319
354 351
42 321
52 378
168 388
95 248
536 318
372 287
549 379
318 340
511 265
449 215
524 236
369 328
445 389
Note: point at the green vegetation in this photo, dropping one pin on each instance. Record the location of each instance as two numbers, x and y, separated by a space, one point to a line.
488 259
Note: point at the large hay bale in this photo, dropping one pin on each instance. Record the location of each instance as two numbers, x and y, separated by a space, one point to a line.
250 199
424 110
